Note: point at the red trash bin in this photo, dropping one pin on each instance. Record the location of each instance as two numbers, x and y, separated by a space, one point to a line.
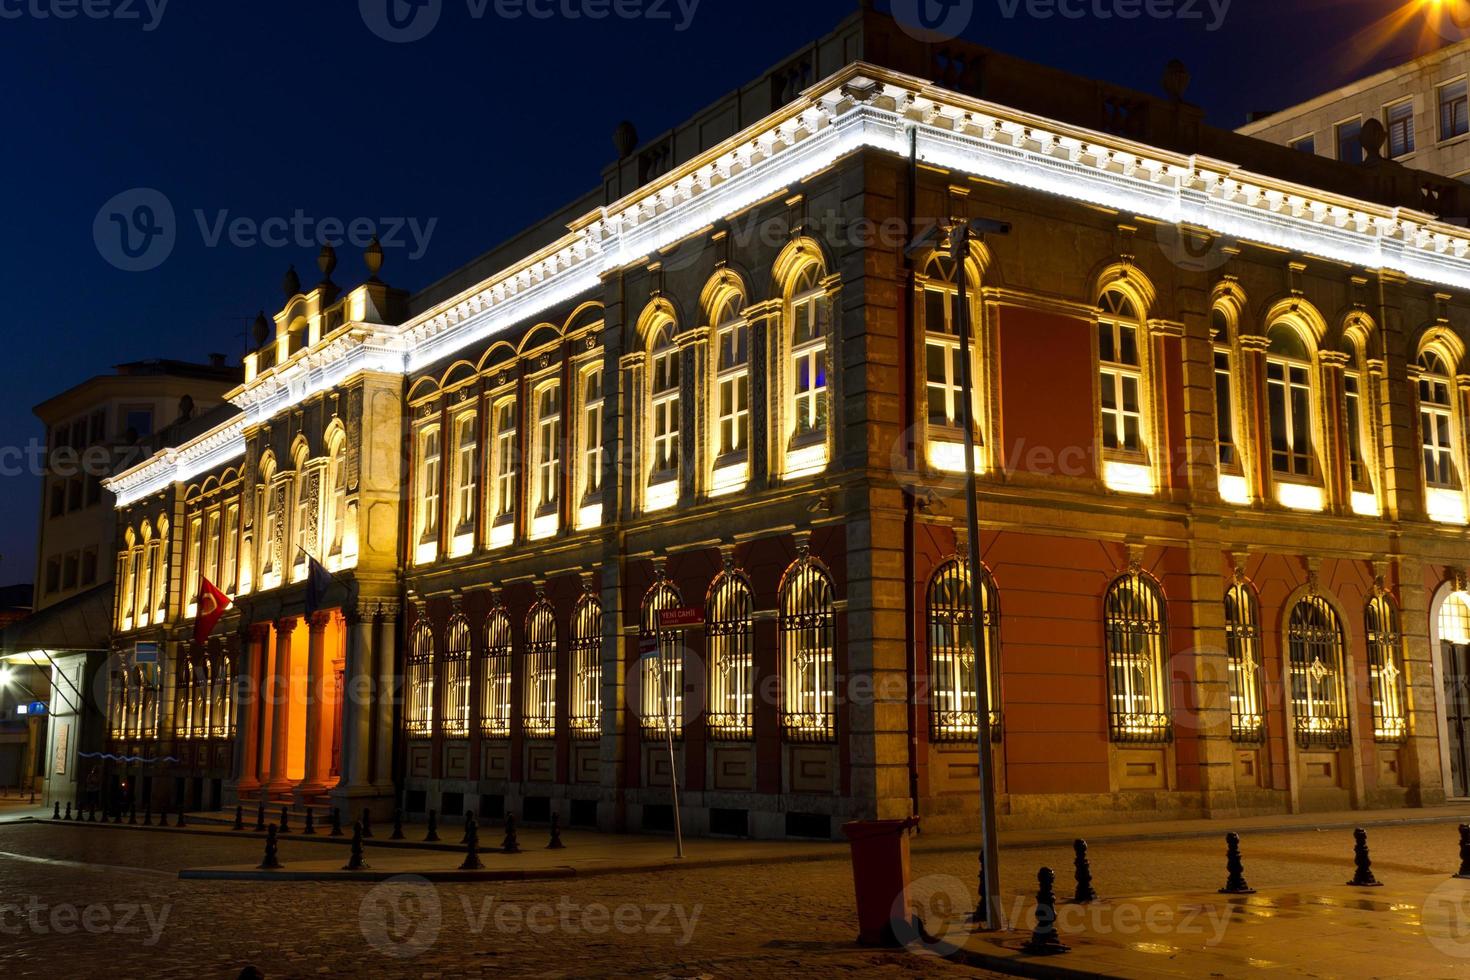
880 875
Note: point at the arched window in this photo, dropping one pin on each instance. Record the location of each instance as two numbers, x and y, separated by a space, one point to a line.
337 501
730 638
1316 660
661 664
418 709
505 454
457 677
1354 417
809 326
943 378
1243 646
146 577
495 695
222 695
117 704
184 700
148 677
270 535
430 469
665 420
808 628
1120 368
732 382
953 686
199 694
308 513
1436 423
548 449
541 670
1289 403
1133 621
587 668
1387 685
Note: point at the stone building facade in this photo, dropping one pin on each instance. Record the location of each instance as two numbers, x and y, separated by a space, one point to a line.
675 493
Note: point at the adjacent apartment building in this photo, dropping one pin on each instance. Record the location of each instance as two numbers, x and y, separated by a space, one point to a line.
669 489
1423 106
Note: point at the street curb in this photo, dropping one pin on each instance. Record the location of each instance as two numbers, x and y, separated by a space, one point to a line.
538 874
1020 965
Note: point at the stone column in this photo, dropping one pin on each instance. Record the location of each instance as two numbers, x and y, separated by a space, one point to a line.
250 711
280 694
1335 478
358 706
318 740
1256 416
384 700
1419 762
1403 462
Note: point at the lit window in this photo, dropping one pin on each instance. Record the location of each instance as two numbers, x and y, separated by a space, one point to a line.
548 447
1352 406
430 465
592 430
1120 368
212 548
587 668
540 677
418 708
730 635
1436 414
665 392
505 463
495 693
466 470
337 501
232 549
184 709
1289 400
457 678
1319 701
1138 707
1243 646
1226 451
222 696
1453 118
1399 120
809 328
732 367
808 632
1387 685
953 686
660 665
942 365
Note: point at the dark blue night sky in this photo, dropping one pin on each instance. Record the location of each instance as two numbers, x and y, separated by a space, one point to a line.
260 109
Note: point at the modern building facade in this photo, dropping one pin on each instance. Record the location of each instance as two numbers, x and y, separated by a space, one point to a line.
670 488
1423 106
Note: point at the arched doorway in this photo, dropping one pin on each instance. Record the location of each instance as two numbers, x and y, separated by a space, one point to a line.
1450 616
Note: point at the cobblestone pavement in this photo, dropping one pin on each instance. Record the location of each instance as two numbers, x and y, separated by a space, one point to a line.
86 899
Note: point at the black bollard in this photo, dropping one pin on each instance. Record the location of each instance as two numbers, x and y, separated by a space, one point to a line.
1044 940
92 815
260 817
133 815
239 818
56 815
285 819
432 837
1083 873
1363 867
556 844
336 822
511 844
272 861
310 823
1464 871
977 917
1235 881
472 860
397 825
355 861
181 822
68 810
367 824
468 817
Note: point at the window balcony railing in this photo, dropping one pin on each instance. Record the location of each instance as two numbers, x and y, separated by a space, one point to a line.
1322 733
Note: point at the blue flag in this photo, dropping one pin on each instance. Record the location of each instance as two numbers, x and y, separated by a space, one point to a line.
318 580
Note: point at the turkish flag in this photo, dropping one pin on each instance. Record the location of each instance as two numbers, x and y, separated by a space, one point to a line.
212 605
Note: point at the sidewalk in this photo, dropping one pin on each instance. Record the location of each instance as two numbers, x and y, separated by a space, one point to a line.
1413 927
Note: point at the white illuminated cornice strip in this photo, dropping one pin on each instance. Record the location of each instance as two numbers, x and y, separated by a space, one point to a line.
220 445
861 106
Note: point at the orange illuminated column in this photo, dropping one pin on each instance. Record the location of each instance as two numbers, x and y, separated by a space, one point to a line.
297 696
280 708
325 630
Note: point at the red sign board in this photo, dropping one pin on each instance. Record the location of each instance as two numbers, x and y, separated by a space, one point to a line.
682 618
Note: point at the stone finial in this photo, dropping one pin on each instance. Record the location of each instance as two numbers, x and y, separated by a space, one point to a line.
374 259
291 285
1176 79
1373 137
625 138
326 261
260 332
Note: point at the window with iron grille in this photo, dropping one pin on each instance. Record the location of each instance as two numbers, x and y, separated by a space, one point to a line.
808 629
952 683
418 708
1243 646
660 665
457 677
587 668
222 694
1386 681
184 700
1316 662
199 695
730 638
1133 618
540 676
495 692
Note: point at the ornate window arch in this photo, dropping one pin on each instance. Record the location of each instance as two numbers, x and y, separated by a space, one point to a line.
953 685
806 343
1440 429
1243 648
1387 682
1291 393
418 709
546 398
147 576
429 440
661 667
540 673
336 490
457 676
495 691
664 422
808 630
730 643
730 433
270 531
1124 397
943 401
504 463
587 667
1134 623
1229 444
1317 663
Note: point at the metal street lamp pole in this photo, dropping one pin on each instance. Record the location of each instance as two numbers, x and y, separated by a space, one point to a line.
959 244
